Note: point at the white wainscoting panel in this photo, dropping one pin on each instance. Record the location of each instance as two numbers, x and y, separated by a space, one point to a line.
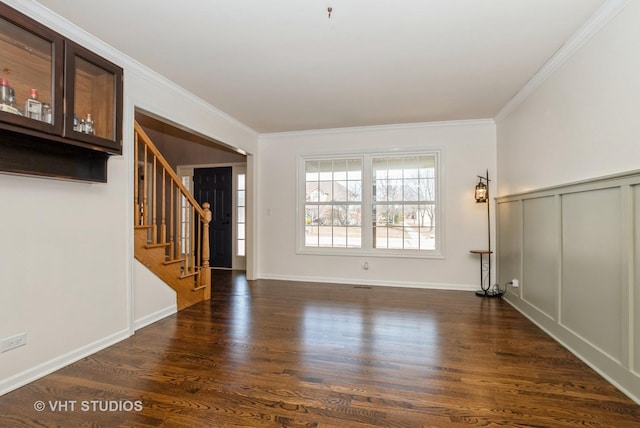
576 250
509 238
591 268
540 249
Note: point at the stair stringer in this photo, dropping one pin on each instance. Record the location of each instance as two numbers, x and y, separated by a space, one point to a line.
186 288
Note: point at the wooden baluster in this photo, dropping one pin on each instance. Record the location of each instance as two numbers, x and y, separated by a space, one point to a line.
198 251
154 201
163 213
186 236
145 185
171 224
179 224
198 242
205 271
192 243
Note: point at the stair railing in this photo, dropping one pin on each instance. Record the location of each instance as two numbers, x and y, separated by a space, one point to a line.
174 219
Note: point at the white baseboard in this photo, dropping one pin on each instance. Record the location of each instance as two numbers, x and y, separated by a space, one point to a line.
156 316
613 373
34 373
380 283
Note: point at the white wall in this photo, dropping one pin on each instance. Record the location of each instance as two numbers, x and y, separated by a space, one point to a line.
468 149
583 121
67 274
153 298
580 124
63 270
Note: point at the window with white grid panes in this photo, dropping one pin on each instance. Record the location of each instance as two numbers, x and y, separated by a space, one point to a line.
371 204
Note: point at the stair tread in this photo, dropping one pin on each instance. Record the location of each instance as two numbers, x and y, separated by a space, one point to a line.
187 275
159 245
140 226
172 261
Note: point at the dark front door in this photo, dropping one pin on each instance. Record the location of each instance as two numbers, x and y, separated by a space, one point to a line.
214 185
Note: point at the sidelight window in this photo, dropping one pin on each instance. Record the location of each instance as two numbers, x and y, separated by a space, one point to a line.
241 208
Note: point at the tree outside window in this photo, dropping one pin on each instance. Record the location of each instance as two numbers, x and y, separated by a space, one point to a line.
398 194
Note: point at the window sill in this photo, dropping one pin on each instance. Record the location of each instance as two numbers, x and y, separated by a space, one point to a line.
359 252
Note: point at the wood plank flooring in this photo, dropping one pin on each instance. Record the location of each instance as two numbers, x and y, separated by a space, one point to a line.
288 354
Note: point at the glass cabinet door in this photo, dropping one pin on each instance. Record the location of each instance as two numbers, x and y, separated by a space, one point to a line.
30 74
94 99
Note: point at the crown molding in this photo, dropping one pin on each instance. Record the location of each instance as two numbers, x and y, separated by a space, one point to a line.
589 29
378 128
71 31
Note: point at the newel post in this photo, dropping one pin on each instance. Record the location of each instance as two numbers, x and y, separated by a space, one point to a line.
205 275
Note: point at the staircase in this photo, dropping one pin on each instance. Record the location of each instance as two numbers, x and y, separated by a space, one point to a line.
171 228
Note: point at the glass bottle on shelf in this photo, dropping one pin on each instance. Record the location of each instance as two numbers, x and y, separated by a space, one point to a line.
33 107
7 98
47 113
4 91
88 125
12 102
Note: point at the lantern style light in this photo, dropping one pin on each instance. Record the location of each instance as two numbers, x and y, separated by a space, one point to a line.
482 193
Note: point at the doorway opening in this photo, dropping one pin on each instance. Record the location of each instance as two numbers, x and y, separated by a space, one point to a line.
211 171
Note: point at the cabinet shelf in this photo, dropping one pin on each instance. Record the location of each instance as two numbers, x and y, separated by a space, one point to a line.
26 154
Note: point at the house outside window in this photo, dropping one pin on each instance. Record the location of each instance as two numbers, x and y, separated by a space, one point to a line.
333 203
371 204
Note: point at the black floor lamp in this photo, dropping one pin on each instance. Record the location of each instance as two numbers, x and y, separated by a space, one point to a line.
482 196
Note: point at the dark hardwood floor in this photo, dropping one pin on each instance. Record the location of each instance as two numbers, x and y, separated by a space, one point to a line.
285 354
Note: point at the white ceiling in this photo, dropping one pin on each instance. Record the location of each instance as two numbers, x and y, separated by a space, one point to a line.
284 65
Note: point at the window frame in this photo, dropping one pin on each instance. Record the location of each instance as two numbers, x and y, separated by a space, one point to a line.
367 249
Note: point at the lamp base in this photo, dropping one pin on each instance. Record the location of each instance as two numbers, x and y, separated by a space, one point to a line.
489 293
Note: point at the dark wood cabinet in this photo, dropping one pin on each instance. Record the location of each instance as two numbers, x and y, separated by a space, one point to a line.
31 57
93 93
60 104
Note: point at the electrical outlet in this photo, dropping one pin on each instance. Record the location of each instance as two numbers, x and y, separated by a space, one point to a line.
12 342
515 283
